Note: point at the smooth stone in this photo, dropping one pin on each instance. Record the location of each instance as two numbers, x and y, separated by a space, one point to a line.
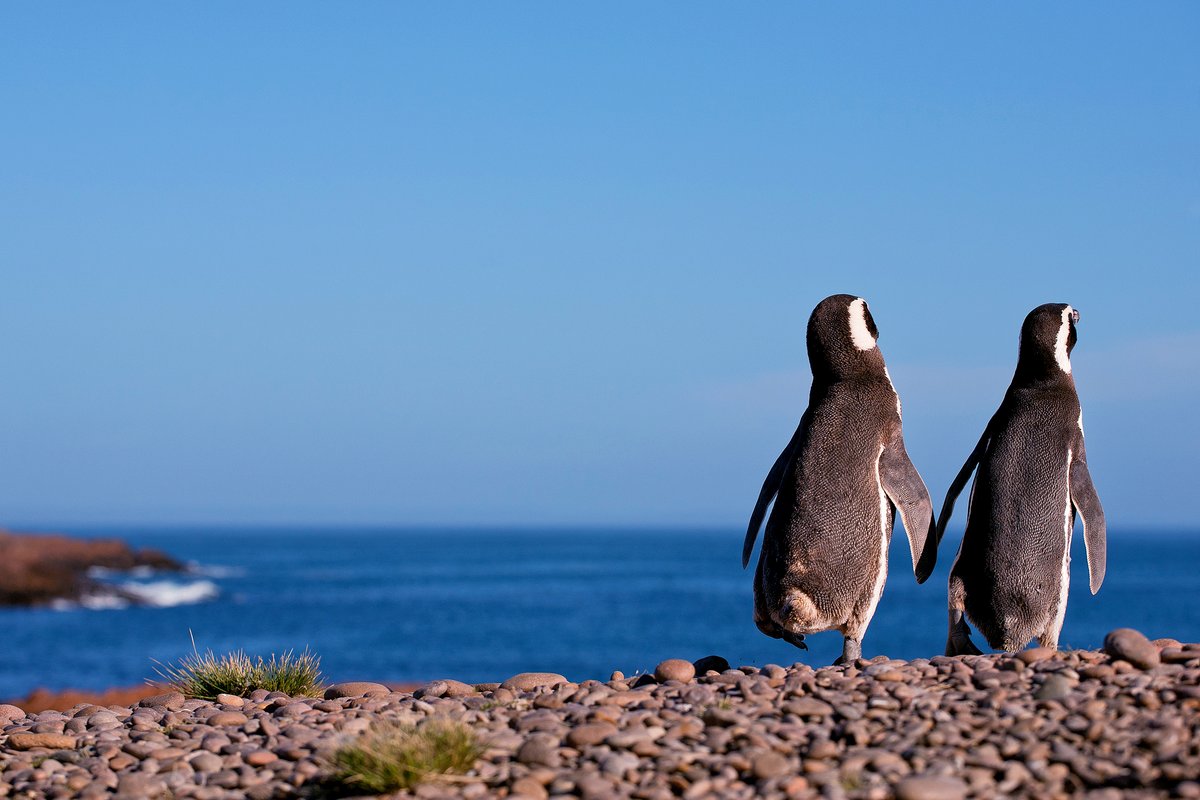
138 786
528 787
224 718
230 700
260 758
171 701
355 689
768 765
206 762
51 741
808 707
931 788
1130 645
1055 687
458 689
1034 655
538 750
590 733
10 712
714 663
675 669
529 681
446 688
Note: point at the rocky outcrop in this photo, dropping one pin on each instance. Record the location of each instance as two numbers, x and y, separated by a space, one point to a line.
38 569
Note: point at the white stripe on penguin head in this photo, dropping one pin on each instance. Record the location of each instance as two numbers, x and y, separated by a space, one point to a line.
1060 342
860 334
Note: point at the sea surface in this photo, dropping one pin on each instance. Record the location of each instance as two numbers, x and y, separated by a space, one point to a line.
480 605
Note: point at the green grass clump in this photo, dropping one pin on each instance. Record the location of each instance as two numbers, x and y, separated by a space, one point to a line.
206 675
391 757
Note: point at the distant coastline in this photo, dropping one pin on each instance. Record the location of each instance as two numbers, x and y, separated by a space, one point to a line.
53 569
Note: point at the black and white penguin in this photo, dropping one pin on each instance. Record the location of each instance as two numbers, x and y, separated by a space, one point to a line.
837 486
1012 570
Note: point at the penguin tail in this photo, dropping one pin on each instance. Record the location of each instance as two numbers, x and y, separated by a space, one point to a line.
798 614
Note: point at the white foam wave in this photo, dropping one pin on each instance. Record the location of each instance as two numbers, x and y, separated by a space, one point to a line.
163 594
156 594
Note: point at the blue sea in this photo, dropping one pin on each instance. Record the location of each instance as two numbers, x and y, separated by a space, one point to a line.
480 605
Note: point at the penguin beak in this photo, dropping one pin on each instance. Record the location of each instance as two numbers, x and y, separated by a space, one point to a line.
1074 315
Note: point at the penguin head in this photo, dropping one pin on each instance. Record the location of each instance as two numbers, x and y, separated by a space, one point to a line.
1047 338
842 338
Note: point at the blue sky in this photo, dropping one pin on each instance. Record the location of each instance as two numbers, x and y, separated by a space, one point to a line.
552 263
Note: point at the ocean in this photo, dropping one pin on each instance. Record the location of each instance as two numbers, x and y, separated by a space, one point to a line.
481 605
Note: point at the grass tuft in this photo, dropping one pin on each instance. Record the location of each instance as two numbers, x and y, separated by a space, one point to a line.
391 757
206 675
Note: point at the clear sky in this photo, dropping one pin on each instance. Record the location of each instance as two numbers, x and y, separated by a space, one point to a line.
552 262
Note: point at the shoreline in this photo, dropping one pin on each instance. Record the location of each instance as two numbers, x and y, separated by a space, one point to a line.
1095 724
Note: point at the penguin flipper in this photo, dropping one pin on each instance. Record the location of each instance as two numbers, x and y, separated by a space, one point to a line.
770 488
960 481
904 487
1087 503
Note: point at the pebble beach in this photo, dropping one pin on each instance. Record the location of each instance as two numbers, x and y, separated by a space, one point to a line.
1120 722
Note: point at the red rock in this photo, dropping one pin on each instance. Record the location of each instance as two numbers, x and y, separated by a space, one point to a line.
38 568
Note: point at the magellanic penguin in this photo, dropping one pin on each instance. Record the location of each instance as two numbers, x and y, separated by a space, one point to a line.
1013 568
837 486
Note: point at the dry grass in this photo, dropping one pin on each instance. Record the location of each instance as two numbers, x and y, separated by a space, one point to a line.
205 675
391 757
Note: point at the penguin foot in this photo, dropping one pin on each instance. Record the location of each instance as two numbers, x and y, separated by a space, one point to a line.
796 639
958 642
851 652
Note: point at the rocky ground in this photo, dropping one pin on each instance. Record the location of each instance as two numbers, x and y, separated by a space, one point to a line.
1122 723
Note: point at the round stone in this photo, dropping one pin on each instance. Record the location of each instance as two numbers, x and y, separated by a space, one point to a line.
528 787
1130 645
206 762
931 788
529 681
231 700
355 689
447 688
223 718
538 749
1055 687
590 733
1034 655
31 741
675 669
8 712
769 765
260 758
172 701
458 689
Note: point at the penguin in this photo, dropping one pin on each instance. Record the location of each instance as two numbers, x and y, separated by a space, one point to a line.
837 486
1012 570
